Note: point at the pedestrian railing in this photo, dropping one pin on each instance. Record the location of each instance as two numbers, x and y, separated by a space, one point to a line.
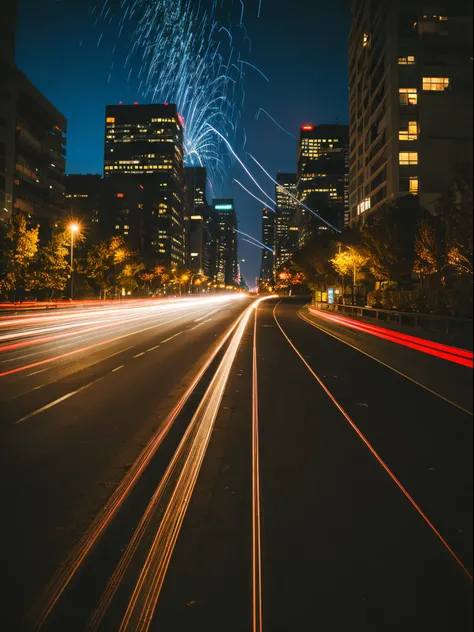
447 324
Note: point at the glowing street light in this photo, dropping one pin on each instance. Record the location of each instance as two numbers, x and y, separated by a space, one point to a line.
73 229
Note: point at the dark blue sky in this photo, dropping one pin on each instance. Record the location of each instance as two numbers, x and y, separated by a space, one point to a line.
301 45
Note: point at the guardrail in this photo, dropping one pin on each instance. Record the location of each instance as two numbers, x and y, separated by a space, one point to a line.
447 324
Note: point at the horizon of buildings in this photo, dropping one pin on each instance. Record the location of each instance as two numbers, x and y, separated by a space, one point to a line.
410 128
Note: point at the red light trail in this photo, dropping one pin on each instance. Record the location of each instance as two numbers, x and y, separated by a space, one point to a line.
445 352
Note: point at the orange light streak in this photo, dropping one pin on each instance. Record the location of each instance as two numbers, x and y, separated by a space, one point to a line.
374 452
257 608
67 571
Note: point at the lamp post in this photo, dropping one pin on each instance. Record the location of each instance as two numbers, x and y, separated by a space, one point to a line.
74 228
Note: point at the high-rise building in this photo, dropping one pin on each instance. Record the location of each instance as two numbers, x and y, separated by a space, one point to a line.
267 273
322 179
84 203
145 143
202 225
196 184
410 77
286 232
227 253
40 157
7 107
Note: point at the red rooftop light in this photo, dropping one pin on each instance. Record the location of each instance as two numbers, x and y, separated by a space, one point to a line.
308 128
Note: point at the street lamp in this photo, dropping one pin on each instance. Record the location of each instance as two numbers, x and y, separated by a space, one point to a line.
73 228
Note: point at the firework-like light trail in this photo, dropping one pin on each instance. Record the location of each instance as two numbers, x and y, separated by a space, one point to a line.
184 53
295 198
254 196
257 242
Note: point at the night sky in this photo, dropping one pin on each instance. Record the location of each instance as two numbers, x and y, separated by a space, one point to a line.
301 45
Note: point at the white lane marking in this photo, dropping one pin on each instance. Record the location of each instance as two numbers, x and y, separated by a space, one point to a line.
196 327
139 355
58 401
208 314
200 324
37 372
153 348
118 368
172 337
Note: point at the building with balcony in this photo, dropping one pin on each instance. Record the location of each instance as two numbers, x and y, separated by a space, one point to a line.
410 77
40 157
7 107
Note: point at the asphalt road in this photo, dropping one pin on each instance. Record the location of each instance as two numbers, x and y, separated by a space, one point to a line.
228 465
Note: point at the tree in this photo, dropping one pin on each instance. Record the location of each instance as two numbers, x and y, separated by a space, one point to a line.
54 268
314 260
129 276
20 245
350 262
429 260
389 239
455 210
102 262
444 241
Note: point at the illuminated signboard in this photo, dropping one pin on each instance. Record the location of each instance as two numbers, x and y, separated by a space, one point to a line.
331 295
224 207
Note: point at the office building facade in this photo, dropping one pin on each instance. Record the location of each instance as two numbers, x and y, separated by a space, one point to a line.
410 77
202 225
227 248
286 231
84 203
322 177
145 143
267 274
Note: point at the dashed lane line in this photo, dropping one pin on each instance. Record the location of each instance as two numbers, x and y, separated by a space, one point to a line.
58 401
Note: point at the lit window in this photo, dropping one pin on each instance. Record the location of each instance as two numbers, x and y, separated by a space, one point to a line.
409 60
408 96
410 133
408 158
414 185
110 119
364 206
435 84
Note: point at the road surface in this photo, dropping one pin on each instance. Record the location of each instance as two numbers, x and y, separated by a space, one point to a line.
220 463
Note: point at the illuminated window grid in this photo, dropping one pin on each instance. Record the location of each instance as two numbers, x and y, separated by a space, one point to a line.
414 185
411 133
435 84
408 96
409 60
408 158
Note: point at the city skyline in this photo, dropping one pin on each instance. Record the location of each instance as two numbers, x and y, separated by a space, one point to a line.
71 52
236 359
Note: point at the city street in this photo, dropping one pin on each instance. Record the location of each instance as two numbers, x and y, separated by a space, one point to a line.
222 464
